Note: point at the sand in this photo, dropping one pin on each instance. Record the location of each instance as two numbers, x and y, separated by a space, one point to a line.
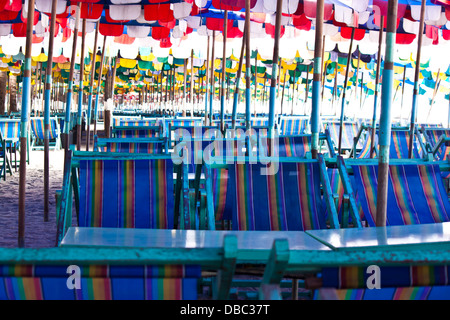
38 234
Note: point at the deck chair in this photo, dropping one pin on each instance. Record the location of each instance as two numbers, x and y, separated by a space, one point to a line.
300 146
10 129
289 200
416 195
432 136
349 132
100 282
398 147
143 190
290 126
37 127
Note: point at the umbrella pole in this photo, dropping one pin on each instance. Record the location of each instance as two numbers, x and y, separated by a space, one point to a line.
207 83
24 122
100 71
345 89
184 89
282 93
377 80
416 80
191 95
212 91
315 111
256 83
403 92
238 78
307 84
80 90
224 67
293 91
385 119
247 66
91 84
334 95
65 136
48 87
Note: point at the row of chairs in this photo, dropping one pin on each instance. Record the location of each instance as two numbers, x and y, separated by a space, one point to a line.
303 194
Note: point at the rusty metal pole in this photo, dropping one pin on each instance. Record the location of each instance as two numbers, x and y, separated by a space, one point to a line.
80 90
91 89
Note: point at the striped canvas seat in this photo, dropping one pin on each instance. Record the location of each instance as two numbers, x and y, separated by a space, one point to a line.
365 150
100 282
293 126
287 200
126 193
10 128
37 127
132 147
294 146
137 132
349 131
399 146
416 194
117 121
397 283
138 123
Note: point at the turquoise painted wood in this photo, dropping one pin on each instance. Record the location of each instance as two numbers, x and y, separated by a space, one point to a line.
435 236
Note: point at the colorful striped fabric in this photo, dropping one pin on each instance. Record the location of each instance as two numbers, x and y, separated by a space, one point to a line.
415 194
133 147
349 131
259 122
37 126
293 126
172 282
138 123
136 133
126 193
365 149
292 197
10 128
399 147
294 146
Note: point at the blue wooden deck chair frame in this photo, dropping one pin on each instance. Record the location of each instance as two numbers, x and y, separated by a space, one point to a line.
37 128
94 178
433 144
6 163
11 135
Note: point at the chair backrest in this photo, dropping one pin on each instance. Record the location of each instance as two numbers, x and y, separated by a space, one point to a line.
416 194
127 193
10 128
38 128
293 125
100 282
287 200
399 147
349 131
